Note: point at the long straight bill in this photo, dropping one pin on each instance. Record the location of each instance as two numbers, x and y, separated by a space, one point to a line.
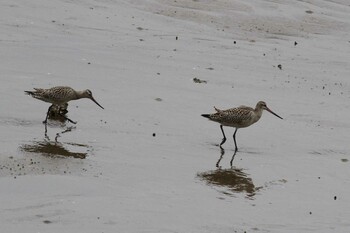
273 113
92 98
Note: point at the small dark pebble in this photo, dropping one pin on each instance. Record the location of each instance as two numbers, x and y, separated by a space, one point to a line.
234 42
176 38
280 66
310 213
309 12
89 63
295 43
335 198
154 134
47 221
158 73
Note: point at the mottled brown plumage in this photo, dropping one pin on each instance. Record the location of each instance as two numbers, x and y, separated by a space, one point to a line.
239 117
235 117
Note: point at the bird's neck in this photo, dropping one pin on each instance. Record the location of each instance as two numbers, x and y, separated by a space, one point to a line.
79 95
257 113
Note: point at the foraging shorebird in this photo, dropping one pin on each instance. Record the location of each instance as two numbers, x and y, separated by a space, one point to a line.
59 96
239 117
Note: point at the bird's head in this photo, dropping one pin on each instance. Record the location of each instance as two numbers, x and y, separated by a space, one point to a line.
88 94
262 105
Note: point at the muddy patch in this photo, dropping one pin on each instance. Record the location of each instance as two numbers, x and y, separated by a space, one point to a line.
54 149
47 157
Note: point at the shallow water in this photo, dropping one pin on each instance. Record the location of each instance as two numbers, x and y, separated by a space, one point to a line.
53 149
148 162
232 181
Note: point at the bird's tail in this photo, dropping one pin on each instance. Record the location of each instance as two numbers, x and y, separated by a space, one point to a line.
29 92
206 115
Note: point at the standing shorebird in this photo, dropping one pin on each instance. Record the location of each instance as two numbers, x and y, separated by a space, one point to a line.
240 117
59 96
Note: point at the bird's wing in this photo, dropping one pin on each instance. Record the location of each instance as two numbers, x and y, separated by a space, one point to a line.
60 93
233 115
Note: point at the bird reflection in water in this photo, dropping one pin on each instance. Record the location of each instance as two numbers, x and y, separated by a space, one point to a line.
222 152
69 129
57 113
235 180
54 149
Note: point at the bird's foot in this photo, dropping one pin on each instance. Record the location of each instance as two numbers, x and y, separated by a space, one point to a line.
222 152
73 122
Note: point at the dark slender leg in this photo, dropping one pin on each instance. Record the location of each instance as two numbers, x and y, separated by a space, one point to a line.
222 152
47 114
69 129
45 130
236 148
234 139
45 121
233 156
224 139
74 122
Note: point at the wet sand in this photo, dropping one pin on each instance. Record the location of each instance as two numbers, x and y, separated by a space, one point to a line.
149 162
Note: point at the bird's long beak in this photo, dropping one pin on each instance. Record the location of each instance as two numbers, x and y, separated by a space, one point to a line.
269 110
92 98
